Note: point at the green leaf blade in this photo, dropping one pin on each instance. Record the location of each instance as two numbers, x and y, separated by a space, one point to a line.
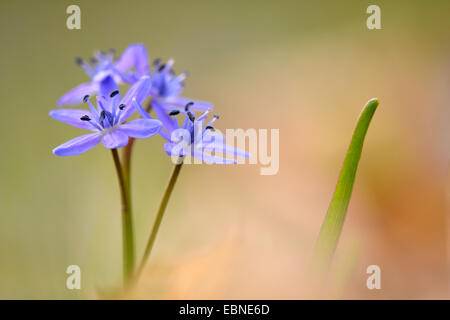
332 226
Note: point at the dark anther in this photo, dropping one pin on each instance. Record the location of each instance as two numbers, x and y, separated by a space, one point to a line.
78 61
162 67
93 60
106 115
102 115
174 112
186 108
210 128
157 61
216 116
85 98
110 117
121 106
85 118
114 93
191 116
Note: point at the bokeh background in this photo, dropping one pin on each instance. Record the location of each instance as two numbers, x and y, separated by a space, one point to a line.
304 67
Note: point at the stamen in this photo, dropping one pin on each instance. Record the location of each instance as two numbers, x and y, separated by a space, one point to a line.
79 61
186 108
140 110
203 116
86 98
92 123
93 60
181 77
93 110
215 117
87 68
174 112
110 118
210 128
161 68
157 61
119 113
102 116
115 92
96 126
100 55
191 116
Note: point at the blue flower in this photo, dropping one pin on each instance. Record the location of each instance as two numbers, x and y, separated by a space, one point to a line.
192 139
167 87
107 121
103 67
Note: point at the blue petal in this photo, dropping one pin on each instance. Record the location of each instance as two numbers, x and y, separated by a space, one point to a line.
115 139
140 91
167 121
144 114
215 142
72 117
78 145
141 128
175 149
108 85
197 106
225 149
76 95
134 56
210 159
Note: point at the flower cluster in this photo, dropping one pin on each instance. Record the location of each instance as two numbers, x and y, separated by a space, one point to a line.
109 121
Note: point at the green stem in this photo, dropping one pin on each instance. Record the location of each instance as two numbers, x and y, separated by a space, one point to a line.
330 232
159 215
127 222
127 151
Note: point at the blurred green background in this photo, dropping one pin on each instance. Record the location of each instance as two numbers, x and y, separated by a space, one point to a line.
304 67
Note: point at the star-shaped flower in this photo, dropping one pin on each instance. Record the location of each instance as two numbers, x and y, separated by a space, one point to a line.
107 121
103 66
205 144
167 88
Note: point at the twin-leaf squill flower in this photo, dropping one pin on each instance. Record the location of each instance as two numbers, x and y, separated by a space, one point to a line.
205 144
107 121
167 87
104 66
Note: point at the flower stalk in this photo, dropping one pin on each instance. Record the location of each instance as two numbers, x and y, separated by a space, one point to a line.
160 214
127 222
127 151
331 229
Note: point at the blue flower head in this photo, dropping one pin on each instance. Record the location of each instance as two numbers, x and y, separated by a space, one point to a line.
104 66
191 138
107 120
167 87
